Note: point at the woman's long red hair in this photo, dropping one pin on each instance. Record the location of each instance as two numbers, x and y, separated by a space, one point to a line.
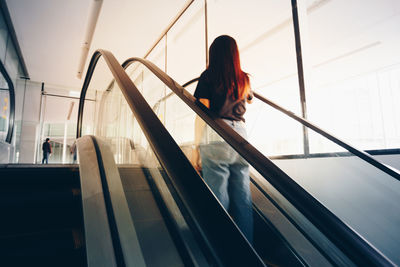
224 68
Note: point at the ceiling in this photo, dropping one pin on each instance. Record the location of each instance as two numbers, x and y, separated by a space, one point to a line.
51 32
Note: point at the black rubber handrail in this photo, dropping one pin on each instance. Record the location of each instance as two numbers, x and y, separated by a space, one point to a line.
227 243
359 250
359 153
11 91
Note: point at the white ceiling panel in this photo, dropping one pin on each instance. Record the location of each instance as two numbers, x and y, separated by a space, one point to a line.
50 33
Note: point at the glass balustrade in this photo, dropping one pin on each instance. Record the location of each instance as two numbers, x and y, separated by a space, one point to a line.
358 193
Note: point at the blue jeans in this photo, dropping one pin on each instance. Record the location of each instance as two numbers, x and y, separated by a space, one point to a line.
227 174
45 157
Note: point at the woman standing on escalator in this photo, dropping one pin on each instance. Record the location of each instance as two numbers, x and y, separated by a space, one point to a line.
224 88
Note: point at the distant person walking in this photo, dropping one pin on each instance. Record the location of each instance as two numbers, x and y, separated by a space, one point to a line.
73 152
46 147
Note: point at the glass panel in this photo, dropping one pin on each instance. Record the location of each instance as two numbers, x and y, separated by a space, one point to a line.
107 114
157 55
30 126
186 57
3 37
122 131
263 30
116 125
12 66
4 108
179 120
93 107
272 133
355 66
152 89
19 86
348 186
61 90
12 61
264 33
59 124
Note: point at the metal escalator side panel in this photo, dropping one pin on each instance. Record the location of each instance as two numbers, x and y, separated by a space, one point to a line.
99 245
192 248
148 214
128 239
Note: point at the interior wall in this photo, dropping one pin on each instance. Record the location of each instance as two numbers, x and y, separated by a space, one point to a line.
30 122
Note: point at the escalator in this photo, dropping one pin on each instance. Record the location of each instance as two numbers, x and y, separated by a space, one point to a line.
151 204
154 215
197 224
153 209
294 226
327 199
141 219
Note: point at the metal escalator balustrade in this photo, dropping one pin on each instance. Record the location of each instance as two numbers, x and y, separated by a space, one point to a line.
345 238
350 182
374 189
194 196
277 251
351 242
151 215
111 238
